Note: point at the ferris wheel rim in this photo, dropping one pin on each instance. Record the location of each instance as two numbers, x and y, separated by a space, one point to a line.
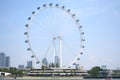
68 11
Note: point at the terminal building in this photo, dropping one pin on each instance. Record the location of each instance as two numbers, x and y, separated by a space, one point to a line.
57 72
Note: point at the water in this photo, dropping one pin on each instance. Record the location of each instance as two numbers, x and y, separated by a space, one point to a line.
55 79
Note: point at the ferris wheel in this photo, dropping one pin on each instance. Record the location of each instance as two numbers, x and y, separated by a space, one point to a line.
64 27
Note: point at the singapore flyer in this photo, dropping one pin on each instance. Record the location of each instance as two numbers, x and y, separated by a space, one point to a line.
54 37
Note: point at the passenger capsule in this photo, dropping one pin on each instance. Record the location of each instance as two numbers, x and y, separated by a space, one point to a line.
29 18
83 39
28 49
81 53
63 7
77 20
37 62
44 5
69 67
80 26
38 8
68 10
33 12
82 33
26 25
25 33
78 58
50 4
26 41
57 5
73 15
83 46
32 56
74 63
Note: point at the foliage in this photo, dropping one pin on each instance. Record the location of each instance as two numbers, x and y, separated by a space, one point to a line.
94 71
44 67
13 71
4 70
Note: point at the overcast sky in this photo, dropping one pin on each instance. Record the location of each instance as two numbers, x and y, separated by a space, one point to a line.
100 20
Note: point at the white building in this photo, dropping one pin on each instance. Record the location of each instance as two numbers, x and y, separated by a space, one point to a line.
4 74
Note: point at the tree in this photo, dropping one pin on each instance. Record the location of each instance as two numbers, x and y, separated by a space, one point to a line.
51 65
94 71
44 67
4 69
13 71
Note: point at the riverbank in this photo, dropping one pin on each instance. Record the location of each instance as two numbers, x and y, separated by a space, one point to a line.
44 78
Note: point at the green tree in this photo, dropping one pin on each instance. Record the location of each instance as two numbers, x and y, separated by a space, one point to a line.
94 71
13 71
16 71
4 69
44 67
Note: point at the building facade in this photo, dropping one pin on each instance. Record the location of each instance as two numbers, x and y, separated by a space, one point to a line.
29 64
7 61
4 60
57 61
21 66
45 62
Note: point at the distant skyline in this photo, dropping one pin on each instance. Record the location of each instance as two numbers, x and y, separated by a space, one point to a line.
4 60
100 20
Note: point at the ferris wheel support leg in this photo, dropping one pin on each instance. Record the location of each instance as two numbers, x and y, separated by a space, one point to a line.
54 51
60 52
